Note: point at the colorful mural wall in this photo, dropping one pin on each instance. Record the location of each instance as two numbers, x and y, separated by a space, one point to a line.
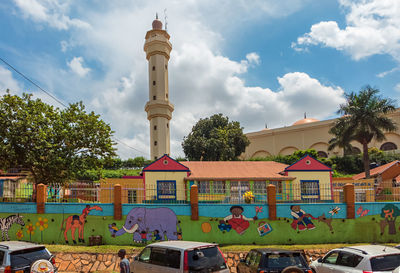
224 224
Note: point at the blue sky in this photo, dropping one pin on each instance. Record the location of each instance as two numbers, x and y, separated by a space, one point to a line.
258 62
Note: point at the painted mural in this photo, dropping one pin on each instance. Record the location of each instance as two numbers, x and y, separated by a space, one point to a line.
7 222
224 224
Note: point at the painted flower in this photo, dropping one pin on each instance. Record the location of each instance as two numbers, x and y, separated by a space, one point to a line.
30 229
20 234
42 223
258 209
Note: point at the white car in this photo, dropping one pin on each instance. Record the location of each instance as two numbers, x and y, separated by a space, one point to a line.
358 259
180 256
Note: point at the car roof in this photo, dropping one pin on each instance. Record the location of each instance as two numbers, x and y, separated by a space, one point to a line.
275 250
17 245
182 245
372 250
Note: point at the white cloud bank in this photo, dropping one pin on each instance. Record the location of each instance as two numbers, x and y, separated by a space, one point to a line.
76 65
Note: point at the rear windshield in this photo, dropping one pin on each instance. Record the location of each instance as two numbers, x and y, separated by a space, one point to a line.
27 257
282 260
385 263
209 259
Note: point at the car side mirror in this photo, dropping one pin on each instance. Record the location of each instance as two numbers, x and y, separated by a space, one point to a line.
320 260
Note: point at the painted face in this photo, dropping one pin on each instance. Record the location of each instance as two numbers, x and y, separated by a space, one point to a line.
296 208
237 211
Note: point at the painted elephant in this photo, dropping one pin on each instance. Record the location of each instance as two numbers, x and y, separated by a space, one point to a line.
142 222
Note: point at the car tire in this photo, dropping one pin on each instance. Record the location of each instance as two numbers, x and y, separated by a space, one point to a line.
292 269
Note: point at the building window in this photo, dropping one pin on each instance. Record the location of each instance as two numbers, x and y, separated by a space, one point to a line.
155 127
166 95
388 146
361 196
322 154
154 82
155 143
309 188
167 125
154 97
278 185
132 196
166 67
155 158
204 186
219 187
154 68
259 187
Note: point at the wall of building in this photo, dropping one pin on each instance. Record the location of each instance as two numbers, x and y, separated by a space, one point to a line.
374 222
151 179
323 178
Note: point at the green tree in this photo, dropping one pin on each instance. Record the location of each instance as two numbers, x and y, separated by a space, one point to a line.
215 138
389 214
54 144
364 117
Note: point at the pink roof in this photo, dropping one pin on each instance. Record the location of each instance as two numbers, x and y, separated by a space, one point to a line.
308 163
236 170
376 171
165 163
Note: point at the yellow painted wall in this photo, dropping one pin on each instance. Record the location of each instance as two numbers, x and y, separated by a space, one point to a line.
107 189
322 177
151 179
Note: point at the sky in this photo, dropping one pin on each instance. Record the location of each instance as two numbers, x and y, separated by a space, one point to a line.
262 63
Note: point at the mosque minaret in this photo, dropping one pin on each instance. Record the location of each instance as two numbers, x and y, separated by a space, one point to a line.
159 109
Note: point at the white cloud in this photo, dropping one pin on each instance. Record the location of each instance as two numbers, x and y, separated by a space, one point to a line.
202 80
76 65
397 87
373 27
51 12
8 82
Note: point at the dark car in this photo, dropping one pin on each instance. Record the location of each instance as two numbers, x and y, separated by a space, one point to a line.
269 260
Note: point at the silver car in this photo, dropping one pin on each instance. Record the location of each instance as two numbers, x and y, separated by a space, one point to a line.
358 259
180 256
18 256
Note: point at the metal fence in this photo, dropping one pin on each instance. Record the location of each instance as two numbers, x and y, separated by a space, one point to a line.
10 191
73 193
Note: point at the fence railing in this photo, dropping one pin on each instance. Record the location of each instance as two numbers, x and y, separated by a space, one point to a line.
16 192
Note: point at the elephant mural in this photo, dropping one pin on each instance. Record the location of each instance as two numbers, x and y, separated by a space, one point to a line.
143 222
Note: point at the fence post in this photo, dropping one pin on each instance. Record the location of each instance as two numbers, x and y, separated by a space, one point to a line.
40 199
117 202
271 198
194 202
349 199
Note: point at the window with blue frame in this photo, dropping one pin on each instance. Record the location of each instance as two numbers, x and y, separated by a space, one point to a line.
309 189
166 190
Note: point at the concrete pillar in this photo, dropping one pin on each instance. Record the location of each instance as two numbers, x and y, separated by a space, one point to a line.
41 199
194 202
117 202
271 195
349 199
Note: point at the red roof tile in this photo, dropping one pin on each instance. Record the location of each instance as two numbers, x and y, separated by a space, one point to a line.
236 170
308 163
165 163
376 171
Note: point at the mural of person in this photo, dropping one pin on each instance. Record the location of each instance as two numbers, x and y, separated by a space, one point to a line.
143 235
157 235
114 229
301 219
237 220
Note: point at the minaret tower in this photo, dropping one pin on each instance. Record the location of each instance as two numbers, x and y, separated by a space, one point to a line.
158 108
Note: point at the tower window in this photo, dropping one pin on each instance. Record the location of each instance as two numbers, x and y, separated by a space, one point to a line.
154 82
155 143
154 97
154 68
166 67
155 127
167 125
166 95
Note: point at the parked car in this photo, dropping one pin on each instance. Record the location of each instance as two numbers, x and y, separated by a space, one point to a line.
273 260
180 256
358 259
20 257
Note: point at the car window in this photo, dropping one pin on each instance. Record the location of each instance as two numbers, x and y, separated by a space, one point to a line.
385 263
348 259
174 258
158 256
207 259
145 255
26 257
248 257
257 260
253 258
1 257
331 258
282 260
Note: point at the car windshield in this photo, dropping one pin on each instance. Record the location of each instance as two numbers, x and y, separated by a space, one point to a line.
206 260
385 263
26 257
282 260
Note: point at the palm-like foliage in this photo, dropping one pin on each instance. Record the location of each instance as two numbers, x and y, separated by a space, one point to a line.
364 117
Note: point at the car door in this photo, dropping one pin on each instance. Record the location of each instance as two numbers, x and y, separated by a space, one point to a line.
142 262
327 263
255 262
347 262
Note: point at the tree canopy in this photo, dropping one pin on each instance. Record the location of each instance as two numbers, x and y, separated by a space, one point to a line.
54 144
364 117
215 139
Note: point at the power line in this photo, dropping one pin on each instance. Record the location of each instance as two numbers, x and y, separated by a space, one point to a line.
59 101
